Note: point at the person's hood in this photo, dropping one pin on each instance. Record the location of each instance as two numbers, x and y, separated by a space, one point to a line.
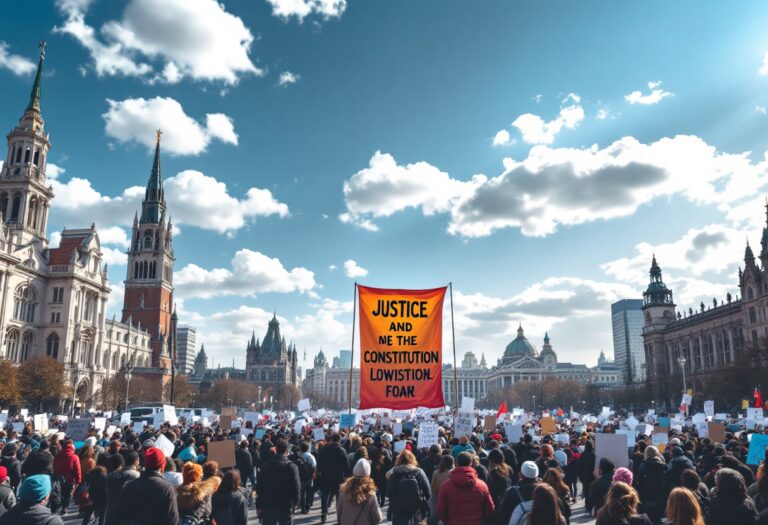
194 494
655 464
404 469
69 450
464 476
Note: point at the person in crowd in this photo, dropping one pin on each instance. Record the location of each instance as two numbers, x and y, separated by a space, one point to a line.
278 488
96 480
119 475
31 508
546 459
195 493
148 499
730 503
7 496
587 468
600 487
621 507
761 492
12 464
189 452
624 475
572 470
307 465
554 478
332 469
518 493
499 476
66 465
464 499
462 446
244 462
87 459
683 508
381 462
650 484
542 509
431 461
408 491
690 480
357 503
439 477
172 472
229 505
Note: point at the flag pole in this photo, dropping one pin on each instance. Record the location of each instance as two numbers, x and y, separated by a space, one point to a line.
455 362
352 349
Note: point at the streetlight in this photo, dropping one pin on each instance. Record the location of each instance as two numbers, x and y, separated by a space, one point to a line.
128 368
534 404
681 360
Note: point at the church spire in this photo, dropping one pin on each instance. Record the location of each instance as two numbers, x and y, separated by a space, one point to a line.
34 96
153 207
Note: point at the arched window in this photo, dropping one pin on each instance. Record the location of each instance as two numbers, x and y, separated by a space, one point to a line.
136 269
52 346
114 361
27 153
106 359
26 346
12 345
37 158
147 240
749 293
18 155
15 207
31 212
24 304
4 204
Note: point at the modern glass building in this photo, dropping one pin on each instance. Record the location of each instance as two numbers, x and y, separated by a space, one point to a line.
628 349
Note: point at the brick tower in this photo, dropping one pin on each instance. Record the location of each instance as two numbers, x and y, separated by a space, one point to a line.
149 282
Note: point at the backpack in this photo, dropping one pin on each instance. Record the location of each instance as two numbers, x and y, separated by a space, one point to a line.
191 520
305 469
408 497
524 507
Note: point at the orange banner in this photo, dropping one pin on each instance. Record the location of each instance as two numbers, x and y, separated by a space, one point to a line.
401 348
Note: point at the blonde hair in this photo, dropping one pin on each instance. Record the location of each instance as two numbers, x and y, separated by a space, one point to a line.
358 490
620 503
683 508
406 457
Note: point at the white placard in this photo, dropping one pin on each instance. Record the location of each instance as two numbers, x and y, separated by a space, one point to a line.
397 429
138 427
606 411
513 431
304 405
644 429
125 419
709 408
630 436
24 412
399 446
631 422
467 404
77 429
164 444
703 429
659 438
517 411
720 416
428 435
110 430
318 434
299 426
41 423
18 427
755 413
169 415
464 424
699 417
99 423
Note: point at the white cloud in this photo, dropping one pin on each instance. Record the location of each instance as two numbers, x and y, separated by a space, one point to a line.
136 119
287 78
353 270
16 64
52 171
332 267
384 188
148 42
556 186
535 130
304 8
602 114
502 138
251 273
194 199
656 94
761 109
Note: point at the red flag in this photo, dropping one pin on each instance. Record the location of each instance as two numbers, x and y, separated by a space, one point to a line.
560 412
502 409
758 398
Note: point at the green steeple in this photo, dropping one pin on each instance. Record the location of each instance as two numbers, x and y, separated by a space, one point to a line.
34 96
153 207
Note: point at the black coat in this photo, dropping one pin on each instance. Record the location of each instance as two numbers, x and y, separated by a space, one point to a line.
37 462
14 470
587 466
243 461
24 514
278 485
148 500
512 500
97 487
7 498
730 512
229 508
332 465
597 492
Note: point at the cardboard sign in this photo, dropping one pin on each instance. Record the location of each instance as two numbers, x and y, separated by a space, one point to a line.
229 411
347 420
716 432
613 447
41 423
548 425
464 424
428 435
77 429
490 423
164 444
225 421
222 452
757 446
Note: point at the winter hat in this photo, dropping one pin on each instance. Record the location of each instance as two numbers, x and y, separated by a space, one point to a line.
35 488
386 437
90 441
677 452
191 472
674 442
530 470
148 443
362 468
3 474
154 459
623 474
561 457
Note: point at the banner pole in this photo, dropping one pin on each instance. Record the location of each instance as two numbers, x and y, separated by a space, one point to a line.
352 350
455 362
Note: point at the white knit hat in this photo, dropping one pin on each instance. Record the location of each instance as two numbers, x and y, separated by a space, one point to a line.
530 470
362 468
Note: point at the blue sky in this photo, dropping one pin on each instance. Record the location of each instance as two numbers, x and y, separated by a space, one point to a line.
533 153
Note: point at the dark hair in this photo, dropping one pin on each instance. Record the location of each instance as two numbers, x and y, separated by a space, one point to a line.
545 509
336 438
281 447
115 462
304 446
230 482
446 463
730 484
244 444
434 449
464 459
170 466
606 465
189 441
589 445
690 479
130 456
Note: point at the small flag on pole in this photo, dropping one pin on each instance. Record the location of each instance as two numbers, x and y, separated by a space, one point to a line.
502 410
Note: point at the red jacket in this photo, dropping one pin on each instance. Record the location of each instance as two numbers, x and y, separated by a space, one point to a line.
464 499
67 464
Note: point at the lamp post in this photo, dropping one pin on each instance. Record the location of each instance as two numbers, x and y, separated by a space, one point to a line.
534 404
682 361
128 368
258 388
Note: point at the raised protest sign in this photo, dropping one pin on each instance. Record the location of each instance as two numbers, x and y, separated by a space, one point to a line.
467 404
757 446
169 415
630 436
318 434
755 413
513 432
222 452
489 423
347 420
138 427
41 423
400 446
77 429
229 411
716 432
709 408
397 429
303 405
464 424
225 422
428 434
125 419
401 348
611 446
164 444
660 440
548 425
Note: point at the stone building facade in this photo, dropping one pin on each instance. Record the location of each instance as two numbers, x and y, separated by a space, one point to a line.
271 362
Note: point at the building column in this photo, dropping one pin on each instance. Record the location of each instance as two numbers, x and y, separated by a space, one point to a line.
730 344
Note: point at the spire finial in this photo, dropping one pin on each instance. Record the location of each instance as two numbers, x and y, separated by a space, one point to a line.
158 133
34 96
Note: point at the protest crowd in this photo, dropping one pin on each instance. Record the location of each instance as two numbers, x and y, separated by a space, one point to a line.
433 466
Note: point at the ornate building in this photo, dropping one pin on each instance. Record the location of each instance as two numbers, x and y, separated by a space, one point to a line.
53 300
520 362
270 362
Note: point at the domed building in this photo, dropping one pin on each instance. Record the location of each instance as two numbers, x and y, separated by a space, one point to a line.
518 348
